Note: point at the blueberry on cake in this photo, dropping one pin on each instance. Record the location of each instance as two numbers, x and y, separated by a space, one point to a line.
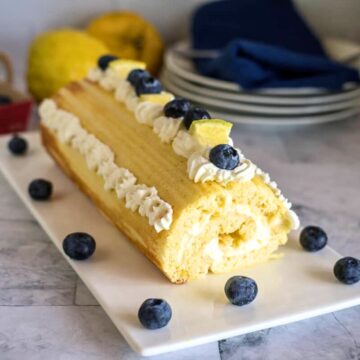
165 173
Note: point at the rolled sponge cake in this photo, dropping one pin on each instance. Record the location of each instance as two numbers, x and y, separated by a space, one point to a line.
215 227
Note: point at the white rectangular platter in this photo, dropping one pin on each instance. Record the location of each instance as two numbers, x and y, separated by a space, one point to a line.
298 286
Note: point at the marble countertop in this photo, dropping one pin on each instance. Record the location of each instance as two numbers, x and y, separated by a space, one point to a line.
47 313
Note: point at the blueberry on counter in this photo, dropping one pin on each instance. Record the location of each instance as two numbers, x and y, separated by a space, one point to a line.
137 74
177 108
195 113
147 85
154 313
313 238
5 100
105 60
79 246
40 189
17 145
241 290
224 157
347 270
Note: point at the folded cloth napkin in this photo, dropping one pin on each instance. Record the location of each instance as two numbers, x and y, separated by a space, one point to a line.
254 65
273 22
264 44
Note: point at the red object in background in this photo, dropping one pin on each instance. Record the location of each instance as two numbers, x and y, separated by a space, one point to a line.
15 116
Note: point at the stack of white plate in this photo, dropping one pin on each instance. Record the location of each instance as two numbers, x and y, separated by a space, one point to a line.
295 106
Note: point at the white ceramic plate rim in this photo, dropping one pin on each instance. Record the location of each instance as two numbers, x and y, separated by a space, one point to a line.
120 278
261 99
183 68
206 99
244 119
253 119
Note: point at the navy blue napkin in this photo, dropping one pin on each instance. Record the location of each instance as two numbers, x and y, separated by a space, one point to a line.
273 22
263 44
253 65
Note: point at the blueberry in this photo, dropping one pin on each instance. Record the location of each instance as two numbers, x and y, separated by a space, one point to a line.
79 246
241 290
40 189
347 270
177 108
5 100
313 238
17 145
137 74
147 85
105 60
154 313
224 157
195 113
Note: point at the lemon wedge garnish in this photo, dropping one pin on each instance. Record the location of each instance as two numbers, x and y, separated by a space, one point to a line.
211 132
163 98
124 67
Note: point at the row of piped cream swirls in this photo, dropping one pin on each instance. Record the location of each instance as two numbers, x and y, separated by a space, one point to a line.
147 113
100 158
200 168
171 130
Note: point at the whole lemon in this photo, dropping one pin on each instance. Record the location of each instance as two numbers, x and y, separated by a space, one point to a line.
59 57
129 36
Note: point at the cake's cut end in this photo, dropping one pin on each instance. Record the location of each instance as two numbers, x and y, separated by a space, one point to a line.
237 226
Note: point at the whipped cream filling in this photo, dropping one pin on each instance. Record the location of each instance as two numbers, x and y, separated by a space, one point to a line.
100 158
217 252
213 251
170 130
190 236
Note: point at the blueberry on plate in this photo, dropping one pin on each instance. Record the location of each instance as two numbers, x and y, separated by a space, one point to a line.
347 270
195 113
313 238
154 313
177 108
79 246
137 74
17 145
5 100
147 85
105 60
224 157
40 189
241 290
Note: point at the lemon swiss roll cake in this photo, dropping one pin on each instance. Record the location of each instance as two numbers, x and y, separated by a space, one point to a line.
164 172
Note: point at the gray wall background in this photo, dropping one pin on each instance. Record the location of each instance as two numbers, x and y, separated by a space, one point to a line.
21 20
